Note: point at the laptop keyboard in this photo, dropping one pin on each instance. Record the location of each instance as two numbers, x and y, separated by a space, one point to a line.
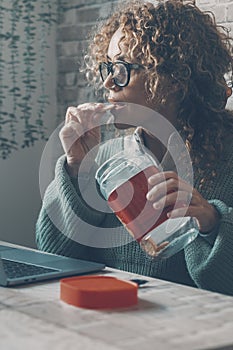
15 269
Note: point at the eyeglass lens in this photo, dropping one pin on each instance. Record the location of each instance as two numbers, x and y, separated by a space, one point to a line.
118 70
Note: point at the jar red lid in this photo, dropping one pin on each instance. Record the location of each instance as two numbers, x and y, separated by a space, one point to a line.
98 292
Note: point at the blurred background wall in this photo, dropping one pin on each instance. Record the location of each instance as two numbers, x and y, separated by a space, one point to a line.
20 198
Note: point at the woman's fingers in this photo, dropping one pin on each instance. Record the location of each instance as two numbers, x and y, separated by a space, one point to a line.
179 199
80 120
80 135
164 183
71 128
69 134
162 176
206 214
188 211
87 114
71 114
168 190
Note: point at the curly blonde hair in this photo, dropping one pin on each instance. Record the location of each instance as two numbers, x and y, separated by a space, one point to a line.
177 40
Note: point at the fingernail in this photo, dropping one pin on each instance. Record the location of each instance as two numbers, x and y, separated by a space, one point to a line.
120 106
150 180
149 196
108 107
156 205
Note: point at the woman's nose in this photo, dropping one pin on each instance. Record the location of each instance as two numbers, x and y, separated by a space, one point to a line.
109 83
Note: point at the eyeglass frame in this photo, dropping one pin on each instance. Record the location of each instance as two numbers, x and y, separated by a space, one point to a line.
127 65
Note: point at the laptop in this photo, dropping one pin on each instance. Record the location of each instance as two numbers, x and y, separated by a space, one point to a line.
23 266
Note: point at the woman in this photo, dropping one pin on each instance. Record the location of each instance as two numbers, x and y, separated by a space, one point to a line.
170 58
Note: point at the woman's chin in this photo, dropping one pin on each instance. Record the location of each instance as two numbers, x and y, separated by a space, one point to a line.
122 126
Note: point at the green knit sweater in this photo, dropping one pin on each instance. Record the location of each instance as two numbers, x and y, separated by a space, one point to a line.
205 263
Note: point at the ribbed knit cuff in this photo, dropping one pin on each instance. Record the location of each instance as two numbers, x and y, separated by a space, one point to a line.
222 209
220 206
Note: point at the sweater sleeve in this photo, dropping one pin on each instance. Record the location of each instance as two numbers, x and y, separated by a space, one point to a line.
68 222
210 262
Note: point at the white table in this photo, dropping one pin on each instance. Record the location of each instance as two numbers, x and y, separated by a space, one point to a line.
168 316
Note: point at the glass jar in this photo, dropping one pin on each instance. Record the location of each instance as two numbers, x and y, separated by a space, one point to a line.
123 182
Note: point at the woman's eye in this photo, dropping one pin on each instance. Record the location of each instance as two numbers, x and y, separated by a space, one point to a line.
119 70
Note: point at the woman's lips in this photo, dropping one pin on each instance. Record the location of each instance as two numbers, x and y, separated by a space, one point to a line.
114 100
111 100
117 104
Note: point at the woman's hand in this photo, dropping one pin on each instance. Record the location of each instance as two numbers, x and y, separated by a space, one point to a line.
166 187
81 133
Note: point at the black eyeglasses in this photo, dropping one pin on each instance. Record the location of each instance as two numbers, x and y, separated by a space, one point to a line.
120 71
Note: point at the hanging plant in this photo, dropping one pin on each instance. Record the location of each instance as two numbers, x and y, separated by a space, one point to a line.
28 78
23 99
12 65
